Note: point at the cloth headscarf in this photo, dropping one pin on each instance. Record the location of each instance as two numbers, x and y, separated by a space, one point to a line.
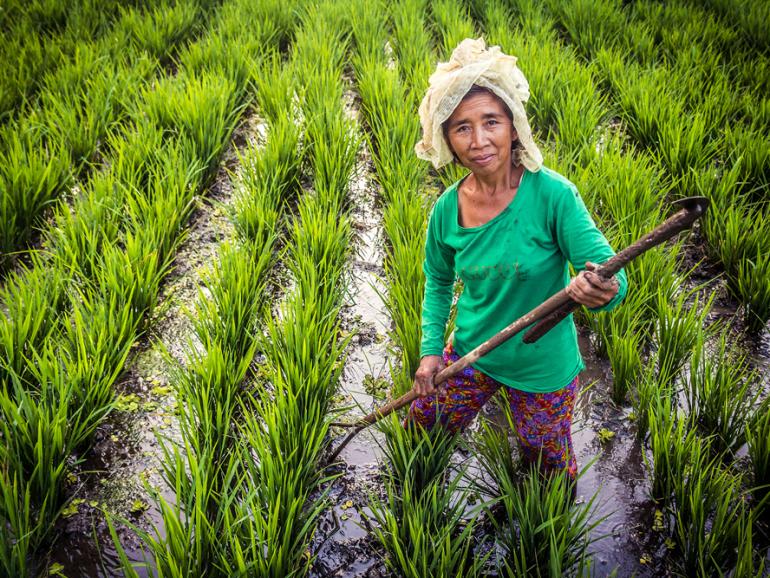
473 63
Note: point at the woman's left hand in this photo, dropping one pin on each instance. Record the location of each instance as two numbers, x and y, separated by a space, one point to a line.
590 289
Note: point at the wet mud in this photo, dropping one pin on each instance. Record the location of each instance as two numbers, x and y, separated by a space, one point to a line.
112 481
343 544
614 481
126 453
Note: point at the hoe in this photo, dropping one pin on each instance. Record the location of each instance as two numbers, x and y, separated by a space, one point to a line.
546 315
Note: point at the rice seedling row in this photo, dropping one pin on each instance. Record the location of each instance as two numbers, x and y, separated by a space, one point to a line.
750 17
284 424
223 321
60 36
82 109
39 37
74 245
106 317
701 140
241 491
678 333
201 529
421 521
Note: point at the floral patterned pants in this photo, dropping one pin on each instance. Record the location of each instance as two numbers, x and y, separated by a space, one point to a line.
543 420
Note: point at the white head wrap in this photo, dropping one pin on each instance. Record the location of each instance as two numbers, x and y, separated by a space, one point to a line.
472 63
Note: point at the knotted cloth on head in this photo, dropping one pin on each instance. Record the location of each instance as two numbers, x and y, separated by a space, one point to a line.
473 63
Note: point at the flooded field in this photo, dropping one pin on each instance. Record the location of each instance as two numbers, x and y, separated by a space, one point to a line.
213 253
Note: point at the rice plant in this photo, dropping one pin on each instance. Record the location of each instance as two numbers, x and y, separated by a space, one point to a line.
95 345
672 447
81 234
222 55
643 95
425 534
32 178
579 109
33 300
684 143
236 290
758 438
542 532
655 275
35 447
411 43
82 116
284 484
591 25
746 144
391 129
134 153
678 329
748 563
655 389
20 531
274 83
403 269
267 181
751 285
626 191
720 225
319 247
25 59
421 522
718 394
161 29
497 453
622 336
319 54
417 456
202 108
157 216
710 516
624 351
333 143
453 25
192 537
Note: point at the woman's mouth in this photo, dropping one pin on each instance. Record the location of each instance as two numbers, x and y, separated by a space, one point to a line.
483 160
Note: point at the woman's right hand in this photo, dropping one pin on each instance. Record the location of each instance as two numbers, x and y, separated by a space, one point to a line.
430 365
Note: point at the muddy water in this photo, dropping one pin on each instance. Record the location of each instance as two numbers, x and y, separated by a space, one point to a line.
613 482
613 471
127 452
343 546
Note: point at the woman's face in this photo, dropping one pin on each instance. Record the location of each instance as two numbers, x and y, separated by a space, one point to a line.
480 134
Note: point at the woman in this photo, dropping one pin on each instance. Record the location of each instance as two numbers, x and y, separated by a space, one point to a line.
507 230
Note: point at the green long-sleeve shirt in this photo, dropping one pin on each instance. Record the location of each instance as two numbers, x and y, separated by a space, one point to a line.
508 266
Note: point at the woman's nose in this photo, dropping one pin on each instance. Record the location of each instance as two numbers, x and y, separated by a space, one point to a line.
478 137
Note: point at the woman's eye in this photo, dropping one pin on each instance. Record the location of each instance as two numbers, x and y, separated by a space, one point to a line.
462 129
492 122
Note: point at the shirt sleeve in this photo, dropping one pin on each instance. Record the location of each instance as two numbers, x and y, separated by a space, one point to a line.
438 267
580 240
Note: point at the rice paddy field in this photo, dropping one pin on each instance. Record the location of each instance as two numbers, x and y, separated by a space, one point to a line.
211 238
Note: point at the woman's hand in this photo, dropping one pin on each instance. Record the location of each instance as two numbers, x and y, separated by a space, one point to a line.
430 365
590 289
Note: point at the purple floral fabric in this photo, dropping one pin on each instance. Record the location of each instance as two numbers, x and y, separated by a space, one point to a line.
543 420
